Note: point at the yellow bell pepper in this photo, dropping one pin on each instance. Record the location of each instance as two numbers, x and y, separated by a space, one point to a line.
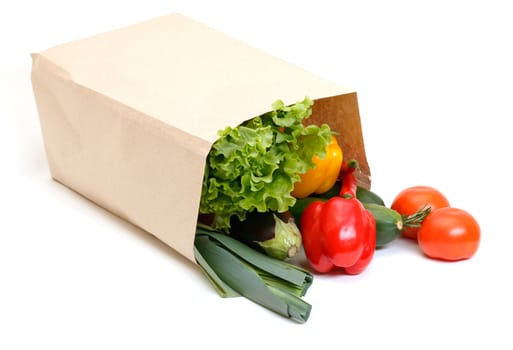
323 176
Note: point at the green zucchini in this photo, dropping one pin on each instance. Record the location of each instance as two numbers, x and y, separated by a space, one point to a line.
389 223
367 196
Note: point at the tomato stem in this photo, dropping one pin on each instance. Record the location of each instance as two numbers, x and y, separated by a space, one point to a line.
416 219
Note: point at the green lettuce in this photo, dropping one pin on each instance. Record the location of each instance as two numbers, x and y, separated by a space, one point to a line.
254 166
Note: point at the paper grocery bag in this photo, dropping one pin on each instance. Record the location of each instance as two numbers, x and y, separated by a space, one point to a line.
129 116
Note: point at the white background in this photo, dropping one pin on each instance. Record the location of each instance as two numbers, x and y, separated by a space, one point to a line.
434 82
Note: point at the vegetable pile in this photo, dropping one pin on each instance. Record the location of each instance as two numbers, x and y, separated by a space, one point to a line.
274 187
254 166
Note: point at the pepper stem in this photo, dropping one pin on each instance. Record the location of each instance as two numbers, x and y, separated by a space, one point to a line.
352 164
348 180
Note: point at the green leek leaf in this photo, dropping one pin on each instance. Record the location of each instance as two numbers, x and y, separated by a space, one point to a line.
246 281
281 269
222 288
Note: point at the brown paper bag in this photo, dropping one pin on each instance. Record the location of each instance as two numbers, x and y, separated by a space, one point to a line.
129 116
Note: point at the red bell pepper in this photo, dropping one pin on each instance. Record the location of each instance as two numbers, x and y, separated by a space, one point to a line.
339 233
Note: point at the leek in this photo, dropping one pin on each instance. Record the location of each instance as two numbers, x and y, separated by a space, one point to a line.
236 269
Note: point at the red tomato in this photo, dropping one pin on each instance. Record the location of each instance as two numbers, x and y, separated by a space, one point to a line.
449 234
412 199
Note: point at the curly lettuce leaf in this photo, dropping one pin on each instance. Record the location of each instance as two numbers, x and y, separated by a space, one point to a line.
254 166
